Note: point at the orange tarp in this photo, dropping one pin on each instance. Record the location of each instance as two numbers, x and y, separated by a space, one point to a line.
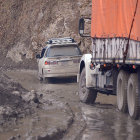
113 18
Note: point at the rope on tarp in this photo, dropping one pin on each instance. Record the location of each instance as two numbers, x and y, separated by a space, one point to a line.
127 46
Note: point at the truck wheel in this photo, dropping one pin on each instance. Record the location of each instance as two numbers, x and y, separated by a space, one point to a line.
86 95
133 96
122 82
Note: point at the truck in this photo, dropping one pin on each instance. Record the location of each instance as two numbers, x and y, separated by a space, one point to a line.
113 67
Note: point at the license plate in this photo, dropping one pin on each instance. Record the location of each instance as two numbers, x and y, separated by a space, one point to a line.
65 63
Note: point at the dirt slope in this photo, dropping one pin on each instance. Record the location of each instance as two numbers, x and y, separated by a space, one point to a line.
26 24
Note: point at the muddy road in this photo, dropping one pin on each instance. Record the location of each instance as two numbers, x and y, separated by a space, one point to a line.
62 116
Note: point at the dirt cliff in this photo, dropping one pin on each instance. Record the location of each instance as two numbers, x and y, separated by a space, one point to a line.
26 24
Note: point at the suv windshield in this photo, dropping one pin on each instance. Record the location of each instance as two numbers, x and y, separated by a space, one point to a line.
69 50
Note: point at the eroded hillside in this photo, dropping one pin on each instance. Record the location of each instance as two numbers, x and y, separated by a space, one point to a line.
26 24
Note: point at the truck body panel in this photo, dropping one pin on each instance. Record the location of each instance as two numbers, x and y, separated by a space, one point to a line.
85 62
111 50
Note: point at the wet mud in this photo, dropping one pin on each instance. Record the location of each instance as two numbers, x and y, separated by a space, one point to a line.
12 105
105 122
55 112
56 108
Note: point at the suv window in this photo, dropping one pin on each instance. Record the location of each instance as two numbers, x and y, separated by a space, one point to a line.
69 50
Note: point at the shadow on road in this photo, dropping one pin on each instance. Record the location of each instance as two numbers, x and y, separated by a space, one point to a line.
62 80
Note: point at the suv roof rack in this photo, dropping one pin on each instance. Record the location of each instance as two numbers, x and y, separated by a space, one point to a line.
60 40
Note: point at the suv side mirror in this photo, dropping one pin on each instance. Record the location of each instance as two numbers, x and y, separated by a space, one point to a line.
38 56
81 26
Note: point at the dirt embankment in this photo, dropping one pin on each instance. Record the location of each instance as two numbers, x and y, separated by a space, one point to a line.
46 111
12 104
26 25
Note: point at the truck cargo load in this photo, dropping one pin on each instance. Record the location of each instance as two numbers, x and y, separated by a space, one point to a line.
115 31
113 18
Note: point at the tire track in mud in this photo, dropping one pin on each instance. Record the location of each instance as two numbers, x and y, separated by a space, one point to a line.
63 92
77 127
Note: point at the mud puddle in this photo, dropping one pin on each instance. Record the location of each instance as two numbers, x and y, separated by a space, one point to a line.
24 127
38 126
105 122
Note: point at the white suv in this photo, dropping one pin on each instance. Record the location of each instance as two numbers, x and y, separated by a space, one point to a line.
60 58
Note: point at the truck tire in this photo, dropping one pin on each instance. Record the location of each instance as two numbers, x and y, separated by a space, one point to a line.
122 82
133 96
86 95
